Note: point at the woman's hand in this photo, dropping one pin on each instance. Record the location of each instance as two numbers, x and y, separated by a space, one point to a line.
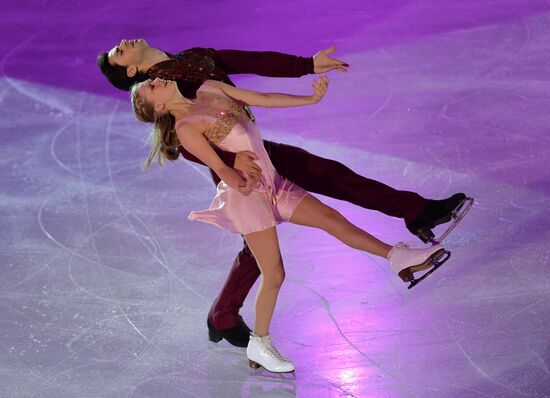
231 177
251 182
320 87
244 162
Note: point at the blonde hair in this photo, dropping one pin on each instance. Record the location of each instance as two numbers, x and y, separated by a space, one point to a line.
163 138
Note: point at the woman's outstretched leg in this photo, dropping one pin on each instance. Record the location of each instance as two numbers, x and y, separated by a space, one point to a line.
404 261
314 213
265 248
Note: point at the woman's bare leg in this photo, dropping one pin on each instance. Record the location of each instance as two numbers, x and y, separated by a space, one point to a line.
265 247
314 213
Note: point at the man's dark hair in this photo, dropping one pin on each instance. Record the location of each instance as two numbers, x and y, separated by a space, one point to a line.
116 74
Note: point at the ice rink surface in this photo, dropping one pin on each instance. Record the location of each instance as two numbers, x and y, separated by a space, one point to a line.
105 285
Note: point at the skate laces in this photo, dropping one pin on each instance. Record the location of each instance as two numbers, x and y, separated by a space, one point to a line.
272 350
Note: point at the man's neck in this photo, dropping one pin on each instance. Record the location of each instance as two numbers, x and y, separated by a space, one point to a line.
152 57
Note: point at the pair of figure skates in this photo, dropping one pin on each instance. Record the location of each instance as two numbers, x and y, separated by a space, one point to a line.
405 261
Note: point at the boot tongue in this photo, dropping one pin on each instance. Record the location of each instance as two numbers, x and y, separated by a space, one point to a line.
399 245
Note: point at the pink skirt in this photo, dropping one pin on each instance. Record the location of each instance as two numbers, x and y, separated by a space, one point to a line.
264 208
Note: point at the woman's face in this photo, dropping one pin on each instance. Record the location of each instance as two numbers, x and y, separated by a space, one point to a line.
158 92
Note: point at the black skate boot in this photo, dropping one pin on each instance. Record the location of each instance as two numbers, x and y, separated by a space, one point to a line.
439 212
237 335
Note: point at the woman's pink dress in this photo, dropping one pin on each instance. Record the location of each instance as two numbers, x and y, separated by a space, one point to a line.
274 198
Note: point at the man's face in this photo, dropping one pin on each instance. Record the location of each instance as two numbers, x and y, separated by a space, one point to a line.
129 54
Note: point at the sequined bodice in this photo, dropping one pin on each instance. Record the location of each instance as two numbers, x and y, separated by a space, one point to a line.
222 112
224 121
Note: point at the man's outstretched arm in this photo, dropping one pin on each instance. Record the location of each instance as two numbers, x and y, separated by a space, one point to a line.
275 64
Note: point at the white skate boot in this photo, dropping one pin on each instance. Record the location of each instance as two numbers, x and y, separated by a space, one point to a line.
406 261
260 352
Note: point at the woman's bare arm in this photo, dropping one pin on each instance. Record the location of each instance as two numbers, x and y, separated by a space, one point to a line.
191 138
273 100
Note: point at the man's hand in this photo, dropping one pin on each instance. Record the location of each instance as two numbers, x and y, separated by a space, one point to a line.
323 63
244 162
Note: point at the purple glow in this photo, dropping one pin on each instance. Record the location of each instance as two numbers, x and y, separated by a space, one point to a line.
106 286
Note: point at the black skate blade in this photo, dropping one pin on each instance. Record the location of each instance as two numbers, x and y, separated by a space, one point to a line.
458 214
437 262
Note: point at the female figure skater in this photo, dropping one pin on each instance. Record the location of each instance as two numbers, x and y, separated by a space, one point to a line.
253 206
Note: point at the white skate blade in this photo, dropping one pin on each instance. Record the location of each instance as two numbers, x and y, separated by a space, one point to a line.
437 261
